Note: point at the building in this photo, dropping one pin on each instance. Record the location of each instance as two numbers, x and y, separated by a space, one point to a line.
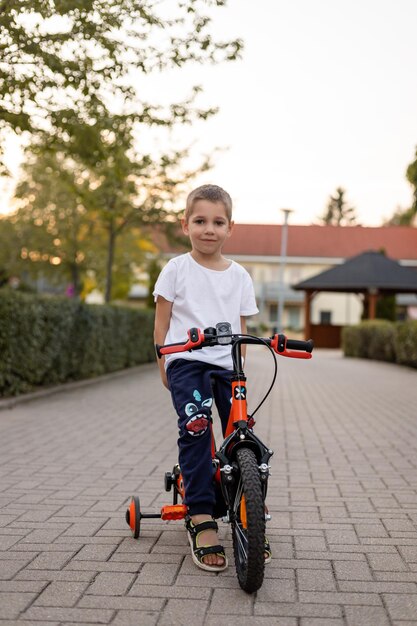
311 250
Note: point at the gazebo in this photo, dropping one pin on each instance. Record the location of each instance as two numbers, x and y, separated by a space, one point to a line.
370 273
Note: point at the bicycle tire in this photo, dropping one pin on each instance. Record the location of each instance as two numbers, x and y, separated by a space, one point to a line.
248 523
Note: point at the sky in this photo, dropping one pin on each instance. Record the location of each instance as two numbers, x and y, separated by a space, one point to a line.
325 95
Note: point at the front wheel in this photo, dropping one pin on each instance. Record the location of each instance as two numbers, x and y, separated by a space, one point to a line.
248 523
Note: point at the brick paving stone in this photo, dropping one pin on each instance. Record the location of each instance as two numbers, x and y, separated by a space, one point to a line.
310 544
155 573
387 563
341 536
225 601
348 570
398 524
377 587
121 602
93 552
51 560
168 591
215 581
297 609
51 575
8 569
343 495
61 594
328 597
184 613
313 621
130 618
409 553
107 584
23 622
277 590
12 604
93 616
401 606
370 530
42 535
7 541
85 529
212 620
15 586
366 616
316 580
103 566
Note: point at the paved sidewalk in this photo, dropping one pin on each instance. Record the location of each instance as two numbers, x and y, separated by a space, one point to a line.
343 496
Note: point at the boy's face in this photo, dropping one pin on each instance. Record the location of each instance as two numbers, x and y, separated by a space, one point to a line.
208 227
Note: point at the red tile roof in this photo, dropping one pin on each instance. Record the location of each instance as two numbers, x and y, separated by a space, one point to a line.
398 242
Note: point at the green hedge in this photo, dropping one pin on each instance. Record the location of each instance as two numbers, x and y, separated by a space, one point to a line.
406 343
45 341
383 341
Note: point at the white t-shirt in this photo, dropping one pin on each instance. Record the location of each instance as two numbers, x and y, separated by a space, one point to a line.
201 298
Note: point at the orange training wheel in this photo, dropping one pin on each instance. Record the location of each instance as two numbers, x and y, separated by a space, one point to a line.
133 516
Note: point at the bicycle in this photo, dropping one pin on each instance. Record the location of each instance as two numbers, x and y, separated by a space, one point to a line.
241 464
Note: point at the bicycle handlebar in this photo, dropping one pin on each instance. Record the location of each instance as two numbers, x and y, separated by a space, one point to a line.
198 339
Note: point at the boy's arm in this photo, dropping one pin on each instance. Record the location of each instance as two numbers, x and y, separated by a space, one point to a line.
162 319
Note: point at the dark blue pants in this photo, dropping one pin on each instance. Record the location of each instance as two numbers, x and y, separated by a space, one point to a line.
194 386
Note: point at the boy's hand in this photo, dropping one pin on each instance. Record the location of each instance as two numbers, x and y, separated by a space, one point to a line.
164 379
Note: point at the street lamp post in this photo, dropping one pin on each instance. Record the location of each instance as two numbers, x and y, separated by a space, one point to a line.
283 260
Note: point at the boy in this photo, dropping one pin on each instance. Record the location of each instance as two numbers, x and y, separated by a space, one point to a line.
201 288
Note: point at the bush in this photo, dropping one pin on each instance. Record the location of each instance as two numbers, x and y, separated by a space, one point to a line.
406 343
352 342
372 339
382 340
45 341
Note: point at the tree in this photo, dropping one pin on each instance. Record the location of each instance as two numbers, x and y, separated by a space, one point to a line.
154 269
337 212
52 219
406 216
61 60
66 75
10 261
401 217
103 193
411 175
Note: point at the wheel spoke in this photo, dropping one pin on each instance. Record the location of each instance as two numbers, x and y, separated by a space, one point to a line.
238 496
242 539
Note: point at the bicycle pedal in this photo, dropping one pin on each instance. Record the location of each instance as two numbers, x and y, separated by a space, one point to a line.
174 511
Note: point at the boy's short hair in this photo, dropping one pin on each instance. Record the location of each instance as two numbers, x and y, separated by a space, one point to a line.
213 193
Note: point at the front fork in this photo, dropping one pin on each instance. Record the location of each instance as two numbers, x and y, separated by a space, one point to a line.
228 468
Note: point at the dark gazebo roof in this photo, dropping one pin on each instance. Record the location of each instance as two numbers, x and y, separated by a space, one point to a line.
370 270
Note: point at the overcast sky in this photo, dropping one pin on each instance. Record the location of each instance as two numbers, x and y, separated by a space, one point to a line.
325 96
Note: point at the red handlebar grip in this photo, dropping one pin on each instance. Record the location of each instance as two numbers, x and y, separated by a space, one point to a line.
296 349
196 338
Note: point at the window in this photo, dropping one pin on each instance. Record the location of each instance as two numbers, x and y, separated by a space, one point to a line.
325 317
294 317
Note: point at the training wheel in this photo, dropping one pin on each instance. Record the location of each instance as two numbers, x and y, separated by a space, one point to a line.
133 516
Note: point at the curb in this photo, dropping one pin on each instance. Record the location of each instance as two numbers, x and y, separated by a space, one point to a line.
9 403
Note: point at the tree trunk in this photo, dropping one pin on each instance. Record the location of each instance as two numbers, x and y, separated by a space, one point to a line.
75 277
110 258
